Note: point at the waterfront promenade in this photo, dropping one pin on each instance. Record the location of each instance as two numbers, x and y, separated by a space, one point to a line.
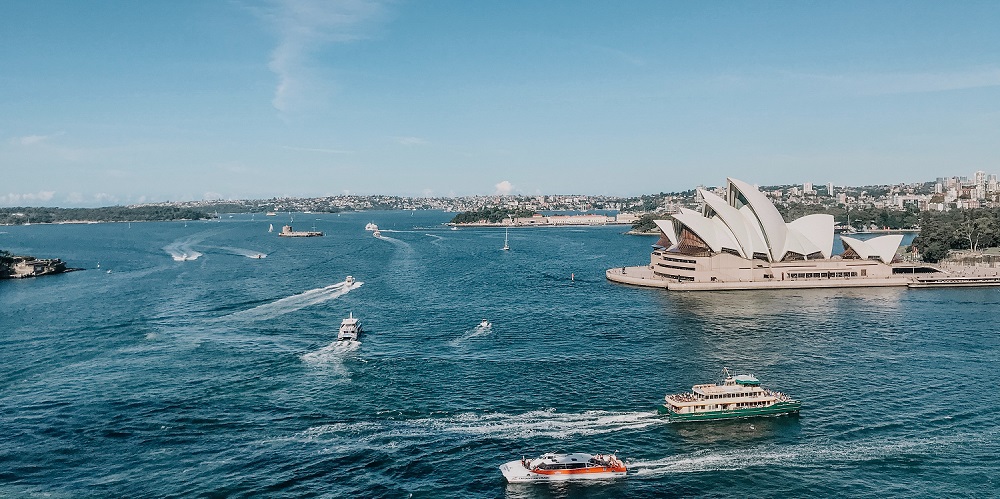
949 275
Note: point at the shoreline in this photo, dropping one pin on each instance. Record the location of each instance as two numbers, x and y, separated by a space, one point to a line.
643 276
511 226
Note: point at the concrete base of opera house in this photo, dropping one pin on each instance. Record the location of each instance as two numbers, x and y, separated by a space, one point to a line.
644 276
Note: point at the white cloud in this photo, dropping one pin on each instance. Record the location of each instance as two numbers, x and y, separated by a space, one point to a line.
317 149
903 83
15 199
410 141
103 197
30 140
304 27
504 188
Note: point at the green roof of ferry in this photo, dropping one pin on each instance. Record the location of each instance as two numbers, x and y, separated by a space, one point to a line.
746 379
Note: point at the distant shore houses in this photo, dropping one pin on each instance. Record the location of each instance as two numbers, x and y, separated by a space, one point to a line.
539 220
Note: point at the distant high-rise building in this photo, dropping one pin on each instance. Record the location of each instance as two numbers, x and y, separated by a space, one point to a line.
938 188
829 189
807 188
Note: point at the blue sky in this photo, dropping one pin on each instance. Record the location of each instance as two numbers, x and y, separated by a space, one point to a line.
121 102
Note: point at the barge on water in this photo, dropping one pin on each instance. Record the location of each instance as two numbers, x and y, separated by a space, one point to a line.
738 396
287 231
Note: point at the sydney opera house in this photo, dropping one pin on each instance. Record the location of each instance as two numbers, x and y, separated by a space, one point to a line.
742 242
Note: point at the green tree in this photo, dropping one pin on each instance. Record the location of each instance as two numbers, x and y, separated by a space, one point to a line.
490 215
647 222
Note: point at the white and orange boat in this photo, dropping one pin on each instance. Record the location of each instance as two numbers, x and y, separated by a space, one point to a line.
578 466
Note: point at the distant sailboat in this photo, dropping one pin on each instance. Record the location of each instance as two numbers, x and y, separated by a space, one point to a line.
270 228
506 247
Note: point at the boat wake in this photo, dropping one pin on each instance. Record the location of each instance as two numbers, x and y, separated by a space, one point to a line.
479 331
545 423
392 240
332 353
243 252
295 302
331 358
183 249
181 253
809 455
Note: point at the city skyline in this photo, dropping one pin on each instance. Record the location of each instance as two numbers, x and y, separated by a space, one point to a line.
118 104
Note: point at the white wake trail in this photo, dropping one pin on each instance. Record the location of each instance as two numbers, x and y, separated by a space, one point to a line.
243 252
806 454
183 249
295 302
331 357
547 423
477 332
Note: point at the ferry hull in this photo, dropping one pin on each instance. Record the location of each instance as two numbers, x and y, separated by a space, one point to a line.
777 409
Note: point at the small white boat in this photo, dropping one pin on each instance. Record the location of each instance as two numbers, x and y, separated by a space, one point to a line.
376 233
349 280
350 329
485 324
270 228
371 226
562 467
506 247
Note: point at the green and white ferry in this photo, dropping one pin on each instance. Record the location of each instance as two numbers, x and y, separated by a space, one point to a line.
739 396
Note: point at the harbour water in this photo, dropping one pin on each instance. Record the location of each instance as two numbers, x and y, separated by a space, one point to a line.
196 368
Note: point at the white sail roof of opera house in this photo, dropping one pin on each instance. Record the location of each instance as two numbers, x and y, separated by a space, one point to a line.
747 233
745 196
748 223
712 231
667 226
881 247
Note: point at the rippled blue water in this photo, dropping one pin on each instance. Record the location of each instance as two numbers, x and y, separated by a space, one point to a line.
217 375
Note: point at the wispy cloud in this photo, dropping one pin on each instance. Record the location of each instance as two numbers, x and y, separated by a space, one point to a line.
17 199
105 198
410 141
907 82
30 140
306 26
317 149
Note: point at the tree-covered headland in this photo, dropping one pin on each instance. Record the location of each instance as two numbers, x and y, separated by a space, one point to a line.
490 215
942 231
23 215
6 261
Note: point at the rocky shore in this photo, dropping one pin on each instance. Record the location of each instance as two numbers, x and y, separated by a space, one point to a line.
20 267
